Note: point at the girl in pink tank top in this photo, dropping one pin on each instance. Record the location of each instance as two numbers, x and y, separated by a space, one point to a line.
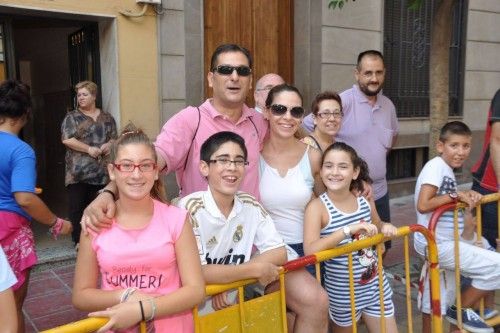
147 262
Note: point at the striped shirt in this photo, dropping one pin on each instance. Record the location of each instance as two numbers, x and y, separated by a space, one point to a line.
364 262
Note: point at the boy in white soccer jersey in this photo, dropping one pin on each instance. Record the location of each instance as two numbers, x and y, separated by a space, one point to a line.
228 224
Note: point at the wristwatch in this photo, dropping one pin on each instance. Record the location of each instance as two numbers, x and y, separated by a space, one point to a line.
453 195
347 231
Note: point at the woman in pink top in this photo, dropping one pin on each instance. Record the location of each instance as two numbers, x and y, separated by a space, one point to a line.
148 260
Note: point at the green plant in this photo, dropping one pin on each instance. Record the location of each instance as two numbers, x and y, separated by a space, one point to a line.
415 4
334 3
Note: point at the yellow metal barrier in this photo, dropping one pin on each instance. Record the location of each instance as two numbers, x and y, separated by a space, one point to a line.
432 227
262 314
256 315
268 313
86 326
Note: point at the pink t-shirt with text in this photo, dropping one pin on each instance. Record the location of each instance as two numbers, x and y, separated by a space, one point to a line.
145 259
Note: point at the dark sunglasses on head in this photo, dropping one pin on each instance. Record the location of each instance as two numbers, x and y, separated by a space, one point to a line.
228 70
279 110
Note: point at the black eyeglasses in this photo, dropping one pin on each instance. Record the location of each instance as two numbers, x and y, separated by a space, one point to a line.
226 163
228 70
327 115
279 110
130 167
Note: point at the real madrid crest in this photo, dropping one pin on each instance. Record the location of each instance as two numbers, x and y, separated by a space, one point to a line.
238 234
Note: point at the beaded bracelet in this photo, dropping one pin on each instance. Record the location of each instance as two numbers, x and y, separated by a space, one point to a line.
56 228
126 294
153 309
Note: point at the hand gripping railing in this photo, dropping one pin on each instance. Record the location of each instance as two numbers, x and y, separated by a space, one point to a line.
268 313
436 215
222 320
377 240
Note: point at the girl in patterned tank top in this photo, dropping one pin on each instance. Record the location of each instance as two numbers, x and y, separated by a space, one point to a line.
337 217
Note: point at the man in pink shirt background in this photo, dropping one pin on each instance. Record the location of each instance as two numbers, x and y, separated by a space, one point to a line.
178 145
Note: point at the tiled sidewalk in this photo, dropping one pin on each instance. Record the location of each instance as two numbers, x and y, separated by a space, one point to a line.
48 303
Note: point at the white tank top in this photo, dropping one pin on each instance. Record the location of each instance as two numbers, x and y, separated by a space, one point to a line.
285 198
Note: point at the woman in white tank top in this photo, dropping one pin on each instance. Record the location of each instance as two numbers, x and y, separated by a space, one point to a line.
288 169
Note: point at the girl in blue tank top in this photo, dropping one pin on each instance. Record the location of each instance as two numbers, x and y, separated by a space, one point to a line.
338 217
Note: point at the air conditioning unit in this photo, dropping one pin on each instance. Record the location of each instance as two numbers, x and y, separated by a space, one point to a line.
153 2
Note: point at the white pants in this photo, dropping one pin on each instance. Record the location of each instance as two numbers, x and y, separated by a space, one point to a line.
446 288
476 263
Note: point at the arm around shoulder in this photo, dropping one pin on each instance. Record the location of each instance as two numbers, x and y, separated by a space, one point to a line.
176 137
315 160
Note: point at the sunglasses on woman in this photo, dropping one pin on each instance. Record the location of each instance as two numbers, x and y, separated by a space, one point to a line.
228 70
279 110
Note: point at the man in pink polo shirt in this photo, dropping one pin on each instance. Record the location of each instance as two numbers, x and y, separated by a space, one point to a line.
178 145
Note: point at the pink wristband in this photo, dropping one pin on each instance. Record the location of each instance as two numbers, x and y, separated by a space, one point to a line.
55 230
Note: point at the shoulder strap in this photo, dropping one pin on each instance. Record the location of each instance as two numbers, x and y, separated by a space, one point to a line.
316 142
192 140
256 130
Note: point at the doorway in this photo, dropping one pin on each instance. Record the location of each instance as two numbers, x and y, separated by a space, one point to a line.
264 27
37 52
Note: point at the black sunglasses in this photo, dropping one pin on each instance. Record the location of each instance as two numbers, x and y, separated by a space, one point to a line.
279 110
228 70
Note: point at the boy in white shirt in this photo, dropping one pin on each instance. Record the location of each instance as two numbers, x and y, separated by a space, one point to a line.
436 186
228 224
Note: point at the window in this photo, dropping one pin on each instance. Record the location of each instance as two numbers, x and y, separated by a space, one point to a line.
407 35
406 163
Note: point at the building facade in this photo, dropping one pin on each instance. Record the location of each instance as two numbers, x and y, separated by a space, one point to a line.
151 66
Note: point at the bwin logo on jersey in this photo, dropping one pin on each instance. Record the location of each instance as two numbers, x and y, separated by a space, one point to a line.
238 234
229 259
